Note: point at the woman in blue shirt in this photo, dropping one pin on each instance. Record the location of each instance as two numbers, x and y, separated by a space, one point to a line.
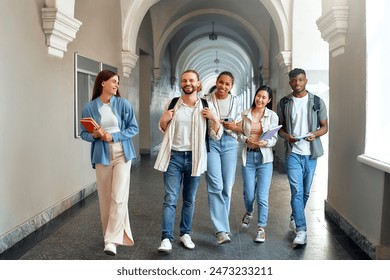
111 154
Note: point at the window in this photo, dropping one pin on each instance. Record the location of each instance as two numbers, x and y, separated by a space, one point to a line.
378 98
86 71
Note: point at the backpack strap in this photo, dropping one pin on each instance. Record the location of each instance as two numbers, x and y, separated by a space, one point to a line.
283 103
173 103
317 107
316 103
206 105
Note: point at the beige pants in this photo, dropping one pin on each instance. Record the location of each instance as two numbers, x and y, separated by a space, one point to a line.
113 185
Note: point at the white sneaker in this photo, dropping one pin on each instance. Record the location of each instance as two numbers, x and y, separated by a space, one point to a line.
187 242
260 237
165 246
222 238
301 238
292 225
110 249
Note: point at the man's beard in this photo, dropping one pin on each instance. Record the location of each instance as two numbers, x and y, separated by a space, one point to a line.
191 92
299 91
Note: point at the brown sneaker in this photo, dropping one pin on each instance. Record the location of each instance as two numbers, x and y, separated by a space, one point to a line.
260 237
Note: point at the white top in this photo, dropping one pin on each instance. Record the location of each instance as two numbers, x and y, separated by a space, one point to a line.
108 119
198 144
183 128
300 124
224 107
233 111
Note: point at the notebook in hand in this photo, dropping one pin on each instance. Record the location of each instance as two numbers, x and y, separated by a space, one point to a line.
302 136
270 133
89 124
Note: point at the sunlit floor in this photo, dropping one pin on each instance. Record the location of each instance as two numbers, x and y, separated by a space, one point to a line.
76 234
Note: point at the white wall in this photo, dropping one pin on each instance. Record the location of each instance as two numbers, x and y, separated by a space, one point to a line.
309 50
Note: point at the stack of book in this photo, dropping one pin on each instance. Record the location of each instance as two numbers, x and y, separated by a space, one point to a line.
89 124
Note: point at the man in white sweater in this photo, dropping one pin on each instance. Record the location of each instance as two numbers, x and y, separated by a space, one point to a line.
183 156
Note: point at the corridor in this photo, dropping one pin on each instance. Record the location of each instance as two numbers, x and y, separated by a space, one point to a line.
76 234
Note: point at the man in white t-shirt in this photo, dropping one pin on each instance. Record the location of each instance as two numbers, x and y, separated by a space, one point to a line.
183 157
304 119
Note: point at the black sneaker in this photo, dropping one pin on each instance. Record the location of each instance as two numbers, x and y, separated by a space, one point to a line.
246 220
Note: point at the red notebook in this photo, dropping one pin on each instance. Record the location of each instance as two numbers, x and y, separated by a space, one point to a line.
89 124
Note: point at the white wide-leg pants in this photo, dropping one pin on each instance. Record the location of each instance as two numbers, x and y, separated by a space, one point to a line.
113 185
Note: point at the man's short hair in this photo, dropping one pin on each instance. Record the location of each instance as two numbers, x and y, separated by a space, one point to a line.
296 71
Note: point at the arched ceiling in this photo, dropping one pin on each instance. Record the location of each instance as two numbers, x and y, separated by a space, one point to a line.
230 56
241 45
233 48
182 27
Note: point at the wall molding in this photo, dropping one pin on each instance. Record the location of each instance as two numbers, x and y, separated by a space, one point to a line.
15 235
284 60
333 26
376 163
59 29
129 60
360 240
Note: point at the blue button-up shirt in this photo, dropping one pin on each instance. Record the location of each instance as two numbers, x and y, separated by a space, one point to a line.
100 150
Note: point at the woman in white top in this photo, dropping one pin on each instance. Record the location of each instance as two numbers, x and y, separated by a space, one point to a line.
112 152
257 158
222 157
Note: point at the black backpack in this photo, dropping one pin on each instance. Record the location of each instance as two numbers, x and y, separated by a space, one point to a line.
205 105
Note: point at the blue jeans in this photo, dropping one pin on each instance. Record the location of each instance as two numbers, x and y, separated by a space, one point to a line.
220 177
300 172
178 173
257 182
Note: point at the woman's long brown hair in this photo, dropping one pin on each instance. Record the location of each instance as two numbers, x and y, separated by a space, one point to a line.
103 76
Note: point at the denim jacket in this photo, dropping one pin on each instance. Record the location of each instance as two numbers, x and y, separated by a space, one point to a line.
100 150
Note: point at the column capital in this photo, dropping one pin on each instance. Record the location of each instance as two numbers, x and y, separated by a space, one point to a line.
333 26
59 29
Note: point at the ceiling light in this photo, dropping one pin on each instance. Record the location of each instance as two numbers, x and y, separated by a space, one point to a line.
213 36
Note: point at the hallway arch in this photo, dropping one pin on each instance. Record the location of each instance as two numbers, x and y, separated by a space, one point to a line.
134 12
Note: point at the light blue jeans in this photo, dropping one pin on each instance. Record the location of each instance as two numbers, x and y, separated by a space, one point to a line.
178 173
220 177
300 172
257 182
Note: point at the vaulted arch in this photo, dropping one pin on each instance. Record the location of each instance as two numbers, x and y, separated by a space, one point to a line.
133 12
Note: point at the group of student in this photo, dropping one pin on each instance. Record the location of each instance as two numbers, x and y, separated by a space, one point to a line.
200 136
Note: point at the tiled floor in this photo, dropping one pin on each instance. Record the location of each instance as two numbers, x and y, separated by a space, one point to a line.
76 234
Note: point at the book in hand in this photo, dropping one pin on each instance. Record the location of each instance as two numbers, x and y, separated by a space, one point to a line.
270 133
89 124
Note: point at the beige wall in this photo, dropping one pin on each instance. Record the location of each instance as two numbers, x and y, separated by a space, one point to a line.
42 163
355 190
